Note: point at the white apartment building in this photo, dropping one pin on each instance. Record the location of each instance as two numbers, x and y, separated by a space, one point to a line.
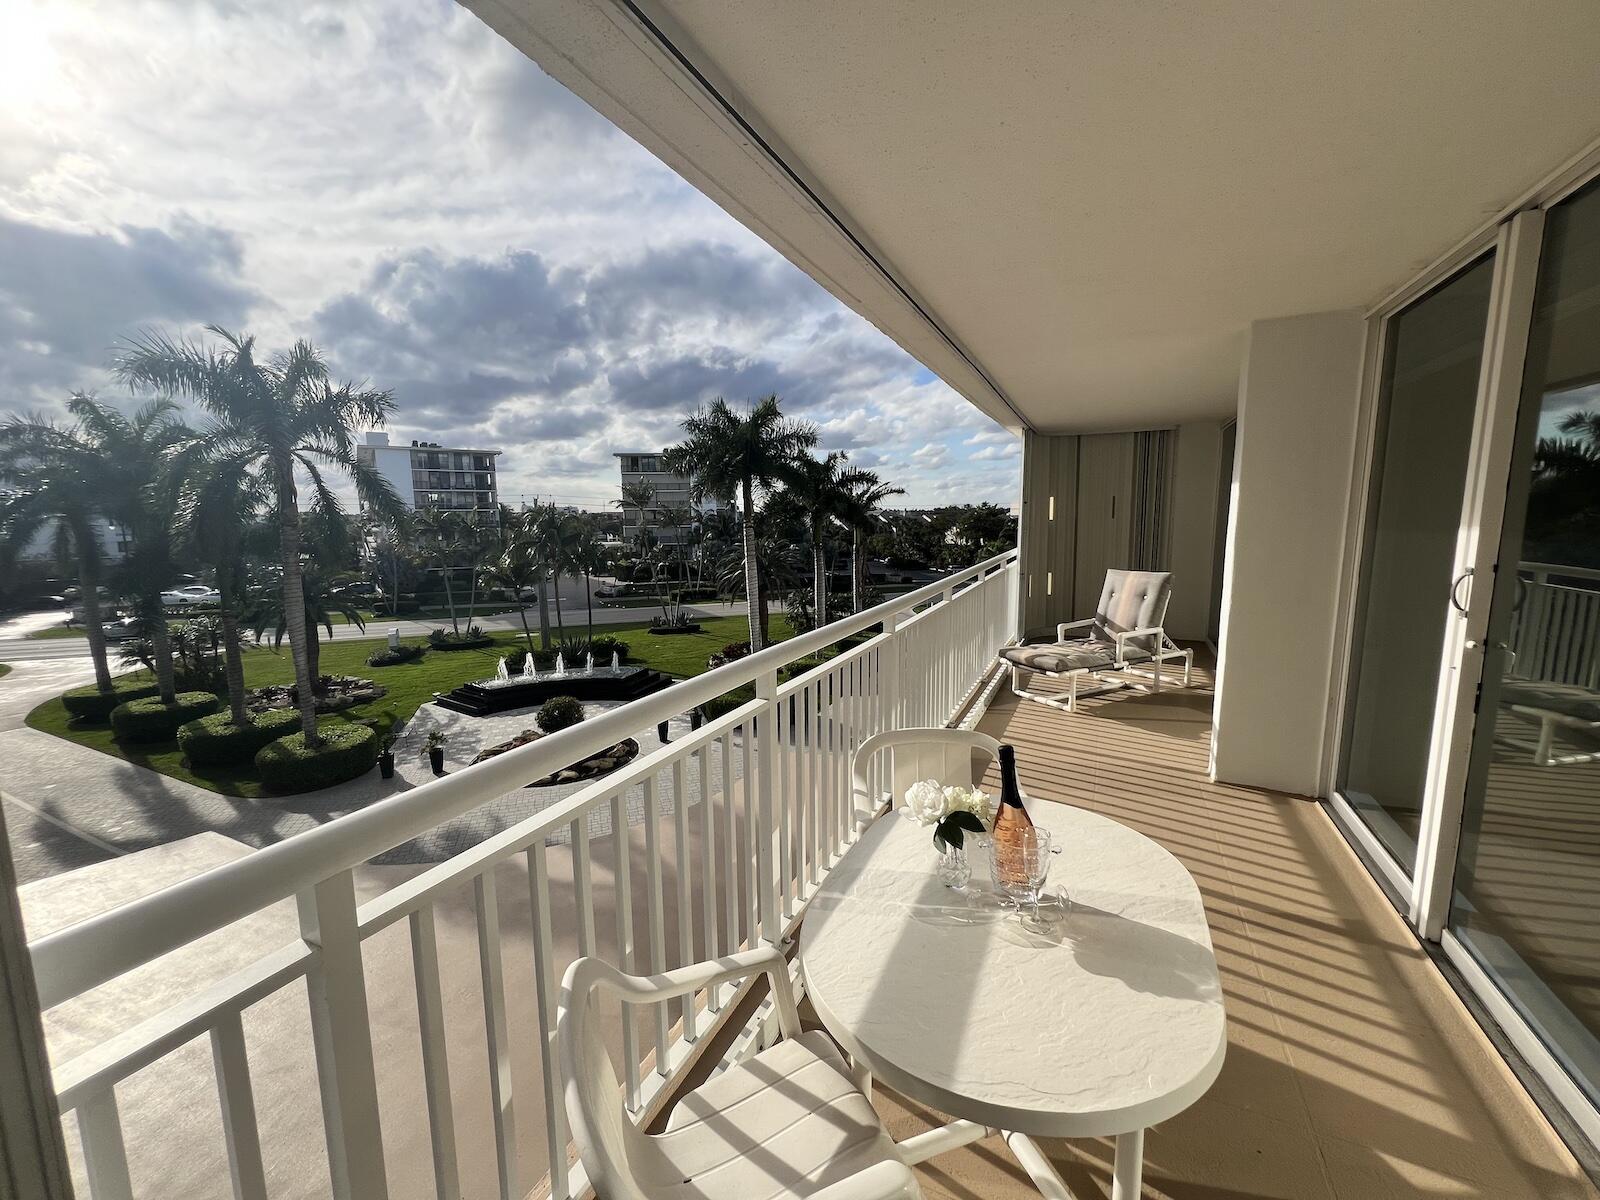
428 475
670 489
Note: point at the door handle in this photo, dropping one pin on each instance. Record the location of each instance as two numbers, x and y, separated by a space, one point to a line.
1455 592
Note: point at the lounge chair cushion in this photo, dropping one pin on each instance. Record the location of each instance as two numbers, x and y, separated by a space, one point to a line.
1568 699
1132 600
1061 657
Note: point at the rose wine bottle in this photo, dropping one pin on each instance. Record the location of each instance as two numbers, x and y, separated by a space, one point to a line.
1010 819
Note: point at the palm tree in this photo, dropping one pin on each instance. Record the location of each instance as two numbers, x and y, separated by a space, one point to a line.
324 599
727 454
819 488
542 527
640 496
440 531
288 417
54 471
865 493
394 543
588 556
482 538
216 512
518 570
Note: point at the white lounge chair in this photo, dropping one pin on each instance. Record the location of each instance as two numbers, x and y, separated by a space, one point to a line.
788 1124
1122 645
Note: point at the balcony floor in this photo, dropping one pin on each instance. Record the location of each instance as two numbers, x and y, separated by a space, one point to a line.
1353 1071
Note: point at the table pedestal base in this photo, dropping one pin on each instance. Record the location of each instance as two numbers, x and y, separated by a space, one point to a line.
1126 1172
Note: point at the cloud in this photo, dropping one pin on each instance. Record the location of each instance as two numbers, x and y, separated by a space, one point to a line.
66 294
459 229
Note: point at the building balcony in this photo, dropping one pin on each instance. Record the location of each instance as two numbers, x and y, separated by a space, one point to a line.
308 1018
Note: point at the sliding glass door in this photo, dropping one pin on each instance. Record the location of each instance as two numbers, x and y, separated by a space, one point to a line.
1426 407
1526 902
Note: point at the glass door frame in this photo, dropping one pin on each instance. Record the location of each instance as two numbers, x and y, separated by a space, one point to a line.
1423 897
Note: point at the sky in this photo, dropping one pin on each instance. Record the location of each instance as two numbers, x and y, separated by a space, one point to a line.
392 180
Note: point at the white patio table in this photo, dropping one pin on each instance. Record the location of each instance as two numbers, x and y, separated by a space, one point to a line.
1105 1026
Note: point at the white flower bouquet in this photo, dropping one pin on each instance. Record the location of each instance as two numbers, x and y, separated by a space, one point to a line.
953 812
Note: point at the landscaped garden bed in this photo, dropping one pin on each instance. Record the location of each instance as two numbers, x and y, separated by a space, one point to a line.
408 685
335 693
556 714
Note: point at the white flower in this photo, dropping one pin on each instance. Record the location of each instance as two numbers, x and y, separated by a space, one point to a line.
924 802
975 801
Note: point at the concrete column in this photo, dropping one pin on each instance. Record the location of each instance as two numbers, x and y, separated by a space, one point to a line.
1299 391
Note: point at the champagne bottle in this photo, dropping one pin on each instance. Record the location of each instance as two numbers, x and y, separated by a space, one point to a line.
1010 819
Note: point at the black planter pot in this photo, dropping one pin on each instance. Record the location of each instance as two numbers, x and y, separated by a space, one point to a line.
436 761
386 765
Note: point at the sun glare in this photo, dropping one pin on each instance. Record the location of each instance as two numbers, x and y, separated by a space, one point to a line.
30 70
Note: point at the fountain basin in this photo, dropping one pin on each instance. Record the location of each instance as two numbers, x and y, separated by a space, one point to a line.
485 696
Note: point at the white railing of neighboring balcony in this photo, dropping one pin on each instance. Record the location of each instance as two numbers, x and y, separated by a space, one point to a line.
1555 634
793 741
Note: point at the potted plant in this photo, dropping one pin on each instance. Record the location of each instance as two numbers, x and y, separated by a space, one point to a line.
386 757
435 748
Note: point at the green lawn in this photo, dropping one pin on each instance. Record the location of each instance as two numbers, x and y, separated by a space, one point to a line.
409 685
57 631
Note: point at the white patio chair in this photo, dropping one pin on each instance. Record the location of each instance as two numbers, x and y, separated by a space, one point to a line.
942 754
787 1123
1124 637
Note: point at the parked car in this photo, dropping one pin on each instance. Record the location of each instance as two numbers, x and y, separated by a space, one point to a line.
123 630
190 594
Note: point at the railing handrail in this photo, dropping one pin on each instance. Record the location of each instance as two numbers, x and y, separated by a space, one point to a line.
83 956
1545 568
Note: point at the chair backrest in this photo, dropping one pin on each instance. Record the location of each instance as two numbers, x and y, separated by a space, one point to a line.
615 1153
1132 600
942 754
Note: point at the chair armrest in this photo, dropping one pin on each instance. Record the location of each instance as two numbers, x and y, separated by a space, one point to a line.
666 985
1122 638
881 1181
1061 629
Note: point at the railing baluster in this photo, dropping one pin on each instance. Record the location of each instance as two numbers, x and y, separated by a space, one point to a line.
684 860
765 728
240 1133
784 802
622 889
708 868
655 916
105 1156
342 1034
435 1056
732 875
583 884
750 790
547 987
492 973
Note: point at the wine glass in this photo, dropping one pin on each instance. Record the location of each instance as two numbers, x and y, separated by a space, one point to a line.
1019 862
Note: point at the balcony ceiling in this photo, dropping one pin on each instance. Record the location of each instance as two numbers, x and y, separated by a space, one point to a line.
1093 200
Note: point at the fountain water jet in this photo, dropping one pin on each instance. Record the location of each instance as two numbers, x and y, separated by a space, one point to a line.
500 670
529 669
588 663
561 666
616 660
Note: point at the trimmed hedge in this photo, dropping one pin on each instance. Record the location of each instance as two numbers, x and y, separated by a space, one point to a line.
558 713
149 720
348 751
88 704
217 741
388 657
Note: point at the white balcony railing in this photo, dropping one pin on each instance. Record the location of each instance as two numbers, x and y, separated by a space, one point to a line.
1555 634
735 874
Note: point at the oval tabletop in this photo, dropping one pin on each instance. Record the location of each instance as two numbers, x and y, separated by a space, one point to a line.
1110 1023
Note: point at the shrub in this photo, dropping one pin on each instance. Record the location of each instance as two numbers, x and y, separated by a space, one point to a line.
728 701
732 652
603 647
87 704
472 638
149 720
394 656
217 741
558 713
348 751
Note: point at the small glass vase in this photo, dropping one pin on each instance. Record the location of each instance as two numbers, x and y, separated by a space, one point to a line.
953 869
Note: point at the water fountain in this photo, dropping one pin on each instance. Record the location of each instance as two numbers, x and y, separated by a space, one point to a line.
504 690
588 663
561 665
529 669
616 660
500 671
